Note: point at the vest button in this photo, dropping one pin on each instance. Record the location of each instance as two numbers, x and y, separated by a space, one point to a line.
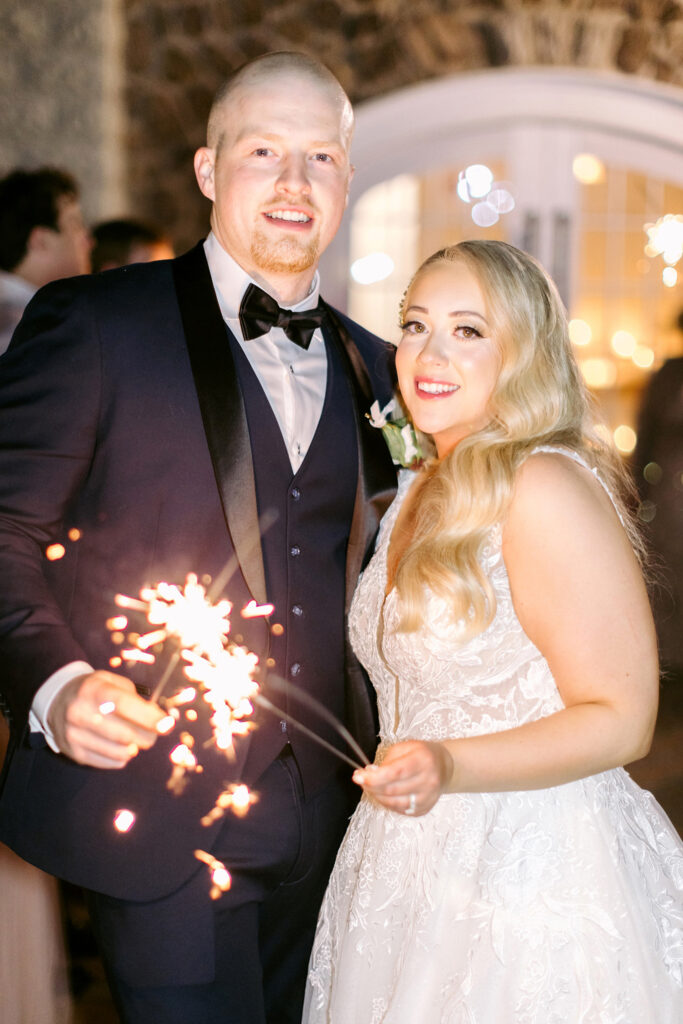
295 550
297 609
295 669
296 493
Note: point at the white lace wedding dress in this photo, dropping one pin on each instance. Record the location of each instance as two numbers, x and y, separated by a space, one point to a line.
552 906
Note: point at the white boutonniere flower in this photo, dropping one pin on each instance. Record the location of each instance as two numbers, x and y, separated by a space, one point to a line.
398 431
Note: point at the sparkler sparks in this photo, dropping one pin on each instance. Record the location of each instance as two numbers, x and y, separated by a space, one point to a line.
221 670
220 876
124 820
236 797
183 761
221 673
55 551
253 610
166 724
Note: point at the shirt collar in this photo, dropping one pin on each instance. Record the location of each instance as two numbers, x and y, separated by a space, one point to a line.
231 282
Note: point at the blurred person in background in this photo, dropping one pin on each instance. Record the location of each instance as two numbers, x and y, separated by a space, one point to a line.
117 243
658 471
42 238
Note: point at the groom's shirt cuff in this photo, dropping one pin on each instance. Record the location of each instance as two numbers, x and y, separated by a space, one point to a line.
42 701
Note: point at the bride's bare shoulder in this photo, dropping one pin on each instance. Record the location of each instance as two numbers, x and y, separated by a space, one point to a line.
557 495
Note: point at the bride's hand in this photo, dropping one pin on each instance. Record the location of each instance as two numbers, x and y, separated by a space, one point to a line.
411 778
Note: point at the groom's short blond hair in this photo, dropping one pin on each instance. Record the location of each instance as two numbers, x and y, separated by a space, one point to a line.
280 64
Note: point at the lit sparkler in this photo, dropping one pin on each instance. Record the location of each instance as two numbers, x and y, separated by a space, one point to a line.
221 672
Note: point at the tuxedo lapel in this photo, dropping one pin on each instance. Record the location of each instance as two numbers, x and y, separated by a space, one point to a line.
376 472
223 413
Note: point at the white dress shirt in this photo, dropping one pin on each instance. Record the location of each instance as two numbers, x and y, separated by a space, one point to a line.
293 378
15 293
294 381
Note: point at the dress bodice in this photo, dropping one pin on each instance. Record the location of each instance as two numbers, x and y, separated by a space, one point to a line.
430 684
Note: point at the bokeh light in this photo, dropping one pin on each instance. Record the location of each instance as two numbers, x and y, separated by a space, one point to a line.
588 169
376 266
623 343
580 332
599 373
625 438
643 357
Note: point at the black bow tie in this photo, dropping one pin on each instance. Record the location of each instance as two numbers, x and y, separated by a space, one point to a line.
259 312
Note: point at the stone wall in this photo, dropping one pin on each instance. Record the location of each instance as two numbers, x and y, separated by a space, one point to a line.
178 51
58 93
127 117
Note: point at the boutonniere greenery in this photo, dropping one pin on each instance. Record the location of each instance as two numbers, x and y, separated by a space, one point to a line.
399 433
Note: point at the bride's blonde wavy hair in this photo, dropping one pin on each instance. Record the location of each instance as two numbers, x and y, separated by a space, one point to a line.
539 399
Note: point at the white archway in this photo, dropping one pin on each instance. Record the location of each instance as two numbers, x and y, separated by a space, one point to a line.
548 111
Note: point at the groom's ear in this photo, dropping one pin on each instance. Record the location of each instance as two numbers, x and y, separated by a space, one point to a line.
204 164
352 171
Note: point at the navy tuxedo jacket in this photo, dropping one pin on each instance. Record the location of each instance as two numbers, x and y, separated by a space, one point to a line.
121 416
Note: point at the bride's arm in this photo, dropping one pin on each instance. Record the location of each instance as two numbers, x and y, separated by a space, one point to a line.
579 595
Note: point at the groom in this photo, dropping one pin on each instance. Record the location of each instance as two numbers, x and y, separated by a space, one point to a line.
164 411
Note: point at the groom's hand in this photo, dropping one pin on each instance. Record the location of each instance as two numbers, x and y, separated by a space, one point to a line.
99 720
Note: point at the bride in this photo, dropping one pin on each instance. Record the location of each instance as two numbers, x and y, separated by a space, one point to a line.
501 867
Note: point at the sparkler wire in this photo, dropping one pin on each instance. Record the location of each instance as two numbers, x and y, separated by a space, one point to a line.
265 522
268 705
165 676
277 683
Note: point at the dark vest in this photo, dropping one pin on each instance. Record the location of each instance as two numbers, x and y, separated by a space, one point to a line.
304 555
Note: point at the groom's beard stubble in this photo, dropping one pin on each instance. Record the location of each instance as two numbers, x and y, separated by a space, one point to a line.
289 255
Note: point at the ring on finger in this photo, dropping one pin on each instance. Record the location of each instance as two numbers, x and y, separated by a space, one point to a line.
412 800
